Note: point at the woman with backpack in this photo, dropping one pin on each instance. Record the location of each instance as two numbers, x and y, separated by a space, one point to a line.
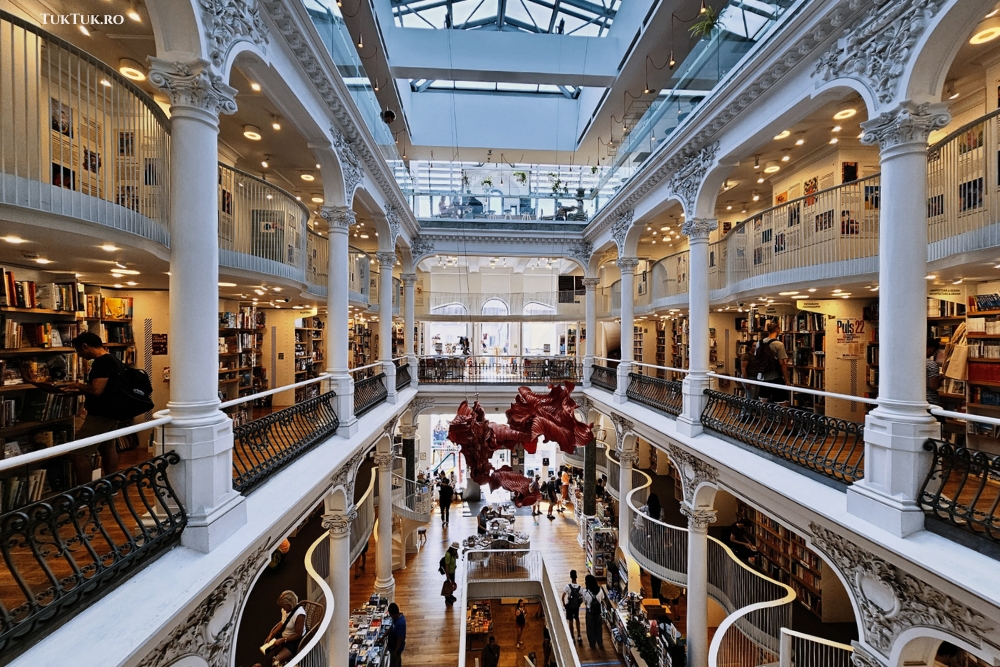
572 599
592 597
447 566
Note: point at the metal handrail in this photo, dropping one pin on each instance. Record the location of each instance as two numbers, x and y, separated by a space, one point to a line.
276 390
313 653
664 368
796 390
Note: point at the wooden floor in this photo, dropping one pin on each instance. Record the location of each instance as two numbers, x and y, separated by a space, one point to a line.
433 629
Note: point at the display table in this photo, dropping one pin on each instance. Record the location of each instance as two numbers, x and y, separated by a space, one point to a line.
369 630
478 625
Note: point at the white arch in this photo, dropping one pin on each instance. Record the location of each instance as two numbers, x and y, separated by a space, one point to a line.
495 306
454 308
538 308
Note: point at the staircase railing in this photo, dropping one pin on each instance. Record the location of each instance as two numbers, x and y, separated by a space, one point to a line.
314 650
800 650
411 499
364 522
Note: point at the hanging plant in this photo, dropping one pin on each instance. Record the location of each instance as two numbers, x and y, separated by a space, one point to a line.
593 169
487 182
704 26
521 177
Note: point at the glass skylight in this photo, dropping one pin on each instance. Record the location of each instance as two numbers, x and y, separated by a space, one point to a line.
421 85
568 17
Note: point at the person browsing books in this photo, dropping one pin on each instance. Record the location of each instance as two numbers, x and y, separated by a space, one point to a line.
99 420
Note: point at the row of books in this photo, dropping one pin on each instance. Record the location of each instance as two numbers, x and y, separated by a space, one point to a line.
117 333
115 307
984 396
243 342
41 406
985 302
982 372
982 325
809 378
68 297
983 349
941 308
803 322
16 492
61 368
871 355
15 335
247 317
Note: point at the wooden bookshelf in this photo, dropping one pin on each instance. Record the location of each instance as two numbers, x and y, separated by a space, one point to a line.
310 347
241 365
637 335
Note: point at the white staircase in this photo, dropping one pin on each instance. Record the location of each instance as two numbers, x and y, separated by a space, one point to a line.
411 508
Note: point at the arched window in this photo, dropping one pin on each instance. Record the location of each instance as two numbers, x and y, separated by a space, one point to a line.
495 307
538 308
450 309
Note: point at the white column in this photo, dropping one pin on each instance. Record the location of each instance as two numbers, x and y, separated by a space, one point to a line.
386 260
895 461
627 266
409 281
591 341
696 382
626 461
338 636
385 585
201 434
697 589
339 219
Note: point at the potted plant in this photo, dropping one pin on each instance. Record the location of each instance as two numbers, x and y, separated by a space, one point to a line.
643 644
487 182
593 169
705 24
521 177
557 183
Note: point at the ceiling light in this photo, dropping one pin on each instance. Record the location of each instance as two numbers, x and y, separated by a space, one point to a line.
957 282
266 162
42 260
833 140
110 247
837 291
317 165
756 162
875 289
800 141
844 113
83 29
836 128
14 239
309 178
800 296
126 272
270 196
131 283
227 284
117 285
954 96
986 31
130 69
744 209
756 196
811 289
275 123
782 135
672 62
251 132
664 229
786 157
845 296
316 199
772 167
760 180
255 87
930 276
133 14
275 289
105 83
787 293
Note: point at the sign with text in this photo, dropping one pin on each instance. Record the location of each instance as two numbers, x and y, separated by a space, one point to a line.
158 345
850 330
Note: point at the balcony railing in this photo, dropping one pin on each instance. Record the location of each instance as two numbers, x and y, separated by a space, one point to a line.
61 552
317 262
648 385
498 370
369 388
832 447
263 446
603 376
963 489
504 304
403 376
411 499
364 521
77 138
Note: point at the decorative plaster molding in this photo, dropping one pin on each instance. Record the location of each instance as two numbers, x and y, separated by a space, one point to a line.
908 123
338 216
584 404
421 247
390 427
418 405
392 219
386 259
581 251
228 22
628 459
619 230
699 228
339 524
408 279
346 474
891 600
209 631
627 264
623 427
693 471
698 518
350 165
384 461
591 283
193 85
864 658
408 432
686 181
878 45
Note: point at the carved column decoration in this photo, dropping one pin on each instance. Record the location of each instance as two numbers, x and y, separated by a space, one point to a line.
686 182
339 524
228 22
907 123
693 471
384 461
350 165
620 227
193 85
699 228
698 517
341 217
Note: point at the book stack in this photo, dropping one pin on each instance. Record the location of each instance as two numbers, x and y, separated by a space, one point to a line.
117 308
985 302
93 306
67 297
17 293
981 325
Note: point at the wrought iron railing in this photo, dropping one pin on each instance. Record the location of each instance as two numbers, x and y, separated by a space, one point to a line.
369 392
832 447
498 370
265 445
963 489
604 377
403 376
657 393
64 550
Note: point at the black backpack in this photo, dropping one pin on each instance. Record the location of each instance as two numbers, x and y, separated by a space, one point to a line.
575 598
129 393
766 360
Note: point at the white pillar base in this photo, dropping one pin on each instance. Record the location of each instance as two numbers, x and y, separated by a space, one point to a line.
896 466
623 380
414 364
386 589
693 392
588 370
389 369
343 385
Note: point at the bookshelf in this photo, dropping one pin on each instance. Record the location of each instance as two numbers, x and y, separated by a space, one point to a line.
309 350
783 555
804 337
241 364
679 348
637 335
661 347
870 315
363 343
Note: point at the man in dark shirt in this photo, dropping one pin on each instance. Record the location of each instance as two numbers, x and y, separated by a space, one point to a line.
491 653
397 636
445 494
99 420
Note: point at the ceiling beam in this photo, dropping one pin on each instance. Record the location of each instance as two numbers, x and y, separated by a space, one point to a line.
501 13
555 13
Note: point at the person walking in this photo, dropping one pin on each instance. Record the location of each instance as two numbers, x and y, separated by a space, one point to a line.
772 366
565 489
448 566
552 493
520 620
491 653
592 597
397 636
99 419
572 599
535 489
446 492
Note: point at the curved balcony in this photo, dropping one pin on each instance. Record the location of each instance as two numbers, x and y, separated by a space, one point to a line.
317 263
78 139
502 305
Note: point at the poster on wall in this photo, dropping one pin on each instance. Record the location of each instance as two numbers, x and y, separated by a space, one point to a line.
849 225
158 344
726 227
794 215
91 137
850 332
809 187
824 221
848 172
780 242
268 233
781 198
61 118
935 206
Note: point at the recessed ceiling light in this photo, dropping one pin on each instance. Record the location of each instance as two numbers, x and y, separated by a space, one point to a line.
14 239
131 283
760 180
836 128
800 296
986 31
930 276
800 141
117 285
110 247
227 284
251 132
307 177
782 135
787 293
275 123
130 69
844 113
255 87
317 165
837 291
266 162
126 272
811 289
275 289
316 199
786 157
133 14
83 29
772 167
42 260
833 140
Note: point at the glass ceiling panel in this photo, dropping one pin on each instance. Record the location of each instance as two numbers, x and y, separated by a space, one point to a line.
422 85
590 18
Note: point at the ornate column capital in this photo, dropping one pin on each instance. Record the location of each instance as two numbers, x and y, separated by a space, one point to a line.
384 461
192 85
699 228
386 259
350 164
628 459
338 217
698 517
591 283
339 524
908 123
620 227
627 264
408 432
408 279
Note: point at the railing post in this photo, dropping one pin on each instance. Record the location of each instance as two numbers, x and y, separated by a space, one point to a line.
895 460
627 266
385 585
386 260
696 382
200 433
591 340
338 523
697 580
785 650
409 322
339 219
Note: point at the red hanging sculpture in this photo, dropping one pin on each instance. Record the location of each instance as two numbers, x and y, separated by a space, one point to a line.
551 416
